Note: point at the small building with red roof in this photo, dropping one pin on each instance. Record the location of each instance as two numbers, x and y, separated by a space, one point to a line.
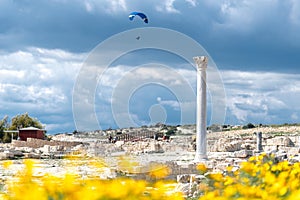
31 132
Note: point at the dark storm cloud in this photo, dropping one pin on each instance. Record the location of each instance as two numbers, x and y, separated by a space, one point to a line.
259 35
53 24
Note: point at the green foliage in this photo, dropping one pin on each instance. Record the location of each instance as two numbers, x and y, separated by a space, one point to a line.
6 138
215 128
3 126
248 126
4 123
285 124
23 121
17 122
171 130
261 177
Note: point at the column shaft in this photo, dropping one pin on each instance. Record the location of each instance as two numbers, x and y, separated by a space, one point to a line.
201 141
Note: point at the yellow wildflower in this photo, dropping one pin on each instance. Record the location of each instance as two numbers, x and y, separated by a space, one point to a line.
202 168
283 191
216 177
6 164
230 191
159 171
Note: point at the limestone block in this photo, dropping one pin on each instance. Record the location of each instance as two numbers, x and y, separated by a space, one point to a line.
243 153
249 141
107 173
183 178
222 166
184 188
155 147
280 141
292 151
6 155
32 155
25 149
234 146
53 149
225 145
248 146
119 143
45 149
38 151
188 183
16 153
220 144
294 159
199 178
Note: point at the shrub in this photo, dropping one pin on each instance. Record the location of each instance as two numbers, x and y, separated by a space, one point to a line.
262 177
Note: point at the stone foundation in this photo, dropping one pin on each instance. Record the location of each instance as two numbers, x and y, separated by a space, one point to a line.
37 143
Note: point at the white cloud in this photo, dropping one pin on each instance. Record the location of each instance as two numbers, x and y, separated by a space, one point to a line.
192 2
126 77
295 14
43 79
109 6
38 81
115 6
118 3
11 74
120 83
255 17
88 6
174 104
262 96
169 5
151 73
240 16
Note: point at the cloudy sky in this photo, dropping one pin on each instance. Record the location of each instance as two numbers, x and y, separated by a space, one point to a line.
44 45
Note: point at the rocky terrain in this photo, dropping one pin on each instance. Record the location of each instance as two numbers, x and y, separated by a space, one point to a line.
152 144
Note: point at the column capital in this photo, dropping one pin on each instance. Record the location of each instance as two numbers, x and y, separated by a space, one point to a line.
201 62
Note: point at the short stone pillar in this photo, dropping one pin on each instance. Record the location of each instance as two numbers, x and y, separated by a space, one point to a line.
259 142
201 143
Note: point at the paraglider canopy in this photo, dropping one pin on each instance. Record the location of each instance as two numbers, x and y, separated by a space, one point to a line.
141 15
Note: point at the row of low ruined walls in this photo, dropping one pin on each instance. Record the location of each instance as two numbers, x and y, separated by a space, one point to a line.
37 143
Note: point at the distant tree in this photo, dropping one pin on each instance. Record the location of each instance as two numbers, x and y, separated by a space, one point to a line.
1 133
47 137
3 126
164 127
249 125
224 126
23 121
4 123
215 128
170 132
159 124
6 138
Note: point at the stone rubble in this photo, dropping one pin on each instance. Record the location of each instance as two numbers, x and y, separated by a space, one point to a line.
227 148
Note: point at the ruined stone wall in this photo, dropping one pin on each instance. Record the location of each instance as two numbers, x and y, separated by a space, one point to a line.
174 170
37 143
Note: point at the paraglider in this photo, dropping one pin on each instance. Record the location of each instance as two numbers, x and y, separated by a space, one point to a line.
141 15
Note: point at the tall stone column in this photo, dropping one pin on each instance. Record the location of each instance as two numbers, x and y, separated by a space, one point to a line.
201 143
